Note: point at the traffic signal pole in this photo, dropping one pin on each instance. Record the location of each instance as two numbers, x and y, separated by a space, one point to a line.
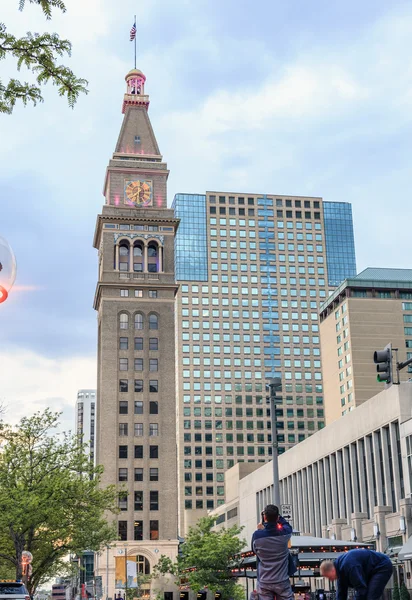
384 365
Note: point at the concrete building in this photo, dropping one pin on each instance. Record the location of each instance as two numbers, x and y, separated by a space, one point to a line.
85 423
351 480
363 315
253 270
135 304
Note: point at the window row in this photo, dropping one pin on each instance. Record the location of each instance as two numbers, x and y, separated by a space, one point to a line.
138 343
210 505
138 385
124 293
209 490
198 463
138 451
138 429
207 476
138 500
138 257
138 321
138 364
138 474
138 536
240 200
138 407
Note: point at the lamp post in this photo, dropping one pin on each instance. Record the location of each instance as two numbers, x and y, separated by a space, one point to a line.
274 385
125 568
107 572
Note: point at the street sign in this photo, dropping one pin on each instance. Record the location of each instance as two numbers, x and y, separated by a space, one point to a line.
286 511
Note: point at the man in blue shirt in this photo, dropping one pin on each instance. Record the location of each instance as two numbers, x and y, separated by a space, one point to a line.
270 542
366 571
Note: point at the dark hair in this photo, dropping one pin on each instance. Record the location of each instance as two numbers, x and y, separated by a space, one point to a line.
271 513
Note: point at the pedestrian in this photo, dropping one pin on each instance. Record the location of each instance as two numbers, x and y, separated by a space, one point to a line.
270 542
366 571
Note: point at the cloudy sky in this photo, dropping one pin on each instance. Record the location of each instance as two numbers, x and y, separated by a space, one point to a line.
274 96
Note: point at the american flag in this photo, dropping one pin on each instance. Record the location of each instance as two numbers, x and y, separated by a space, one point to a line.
133 32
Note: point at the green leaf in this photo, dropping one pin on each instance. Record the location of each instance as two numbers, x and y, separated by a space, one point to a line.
39 54
51 499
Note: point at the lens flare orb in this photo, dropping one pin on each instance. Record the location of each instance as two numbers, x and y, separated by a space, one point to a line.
8 269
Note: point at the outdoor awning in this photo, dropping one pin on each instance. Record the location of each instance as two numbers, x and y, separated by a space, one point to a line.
406 550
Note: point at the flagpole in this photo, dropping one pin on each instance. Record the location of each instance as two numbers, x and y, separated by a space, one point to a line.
135 43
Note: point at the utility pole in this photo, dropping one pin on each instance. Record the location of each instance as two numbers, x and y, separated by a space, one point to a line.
274 385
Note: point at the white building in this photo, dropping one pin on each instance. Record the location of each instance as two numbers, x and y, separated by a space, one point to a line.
85 419
352 479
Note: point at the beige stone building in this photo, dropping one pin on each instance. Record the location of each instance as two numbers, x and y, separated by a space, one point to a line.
351 480
135 304
364 314
253 270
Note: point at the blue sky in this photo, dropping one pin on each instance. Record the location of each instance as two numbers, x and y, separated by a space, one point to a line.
268 96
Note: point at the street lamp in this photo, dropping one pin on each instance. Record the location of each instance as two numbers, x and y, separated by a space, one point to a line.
274 385
8 269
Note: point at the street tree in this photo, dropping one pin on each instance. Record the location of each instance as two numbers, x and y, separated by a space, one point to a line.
52 502
40 54
206 559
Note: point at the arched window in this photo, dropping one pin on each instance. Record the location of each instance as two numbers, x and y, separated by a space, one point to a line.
138 321
153 257
138 257
143 565
152 250
123 256
153 322
124 321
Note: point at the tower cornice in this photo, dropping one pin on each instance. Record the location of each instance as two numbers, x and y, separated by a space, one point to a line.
101 219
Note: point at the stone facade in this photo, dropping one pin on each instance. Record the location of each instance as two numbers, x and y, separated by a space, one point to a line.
135 304
361 316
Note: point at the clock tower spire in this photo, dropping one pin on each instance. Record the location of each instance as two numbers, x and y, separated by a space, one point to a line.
135 303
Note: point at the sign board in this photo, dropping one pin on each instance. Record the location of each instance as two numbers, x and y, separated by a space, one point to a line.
286 511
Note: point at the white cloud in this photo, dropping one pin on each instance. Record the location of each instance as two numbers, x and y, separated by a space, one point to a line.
30 382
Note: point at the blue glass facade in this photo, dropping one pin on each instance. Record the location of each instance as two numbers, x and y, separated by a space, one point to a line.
191 262
269 289
340 243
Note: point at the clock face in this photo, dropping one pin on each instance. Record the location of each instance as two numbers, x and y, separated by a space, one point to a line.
138 193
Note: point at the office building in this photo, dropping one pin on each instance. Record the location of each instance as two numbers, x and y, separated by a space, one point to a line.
350 481
364 314
253 270
86 420
135 304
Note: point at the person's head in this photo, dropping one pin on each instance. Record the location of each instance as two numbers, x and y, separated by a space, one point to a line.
271 513
328 570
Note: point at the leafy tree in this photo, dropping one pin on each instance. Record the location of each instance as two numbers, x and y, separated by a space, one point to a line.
40 54
139 591
404 592
395 592
51 499
206 559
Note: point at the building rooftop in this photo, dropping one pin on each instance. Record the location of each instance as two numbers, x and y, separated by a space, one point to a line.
378 274
373 278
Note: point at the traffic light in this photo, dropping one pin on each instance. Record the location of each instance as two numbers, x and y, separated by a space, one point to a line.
383 361
201 595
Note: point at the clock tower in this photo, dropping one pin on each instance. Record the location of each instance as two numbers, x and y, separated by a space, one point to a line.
135 304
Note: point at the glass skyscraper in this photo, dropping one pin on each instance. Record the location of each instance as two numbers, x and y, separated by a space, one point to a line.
340 242
253 270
